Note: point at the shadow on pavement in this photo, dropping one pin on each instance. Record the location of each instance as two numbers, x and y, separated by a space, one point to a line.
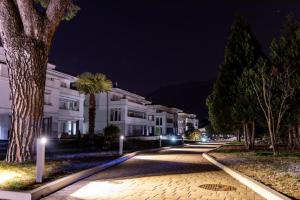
169 162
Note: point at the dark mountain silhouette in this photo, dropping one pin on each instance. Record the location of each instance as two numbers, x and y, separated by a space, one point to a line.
188 96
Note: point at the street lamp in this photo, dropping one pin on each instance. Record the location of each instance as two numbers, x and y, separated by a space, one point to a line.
121 140
40 159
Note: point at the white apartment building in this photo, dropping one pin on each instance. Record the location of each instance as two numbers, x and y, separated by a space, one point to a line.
124 109
186 122
63 108
166 120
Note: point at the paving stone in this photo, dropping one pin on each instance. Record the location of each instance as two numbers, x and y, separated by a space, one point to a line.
171 174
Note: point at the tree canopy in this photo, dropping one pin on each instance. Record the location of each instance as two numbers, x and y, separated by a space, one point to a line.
88 83
227 104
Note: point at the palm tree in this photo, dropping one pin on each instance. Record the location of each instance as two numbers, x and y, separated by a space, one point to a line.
92 84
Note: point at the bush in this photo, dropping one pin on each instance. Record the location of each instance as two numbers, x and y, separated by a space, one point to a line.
193 135
111 134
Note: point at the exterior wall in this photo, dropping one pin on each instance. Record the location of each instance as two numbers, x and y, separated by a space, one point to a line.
186 121
125 102
169 117
54 117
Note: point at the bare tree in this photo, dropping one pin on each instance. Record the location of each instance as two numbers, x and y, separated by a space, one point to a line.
273 89
27 28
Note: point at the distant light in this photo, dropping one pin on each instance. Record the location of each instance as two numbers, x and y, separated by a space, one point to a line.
203 139
43 140
173 139
122 137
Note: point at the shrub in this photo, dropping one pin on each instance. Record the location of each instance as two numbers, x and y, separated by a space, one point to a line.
111 133
193 135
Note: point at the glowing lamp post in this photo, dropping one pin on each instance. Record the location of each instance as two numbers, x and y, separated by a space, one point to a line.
173 139
121 140
160 137
40 159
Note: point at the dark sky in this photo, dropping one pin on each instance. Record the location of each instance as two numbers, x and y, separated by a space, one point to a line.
147 44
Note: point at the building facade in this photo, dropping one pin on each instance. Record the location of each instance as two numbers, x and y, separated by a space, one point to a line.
63 106
187 122
136 117
124 109
166 120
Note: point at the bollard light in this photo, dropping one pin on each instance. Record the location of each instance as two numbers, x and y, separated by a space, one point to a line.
43 140
121 140
160 142
40 159
173 139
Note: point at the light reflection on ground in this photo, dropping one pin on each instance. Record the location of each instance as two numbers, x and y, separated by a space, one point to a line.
7 175
101 189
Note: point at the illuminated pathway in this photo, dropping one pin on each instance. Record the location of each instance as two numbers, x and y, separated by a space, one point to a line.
171 174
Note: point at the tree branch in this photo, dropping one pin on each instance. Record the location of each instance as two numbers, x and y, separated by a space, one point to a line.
31 19
55 12
10 22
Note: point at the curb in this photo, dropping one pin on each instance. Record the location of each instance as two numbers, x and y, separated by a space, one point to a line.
256 186
58 184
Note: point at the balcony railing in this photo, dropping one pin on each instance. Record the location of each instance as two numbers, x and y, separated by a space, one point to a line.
69 108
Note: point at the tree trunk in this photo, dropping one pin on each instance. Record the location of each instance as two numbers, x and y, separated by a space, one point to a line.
245 129
290 138
295 136
298 131
27 65
273 137
249 137
238 138
252 136
92 115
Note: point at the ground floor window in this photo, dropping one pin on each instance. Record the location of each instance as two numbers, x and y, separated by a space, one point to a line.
47 126
137 130
170 131
70 127
150 130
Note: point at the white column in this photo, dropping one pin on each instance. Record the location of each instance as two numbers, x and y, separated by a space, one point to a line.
40 159
121 139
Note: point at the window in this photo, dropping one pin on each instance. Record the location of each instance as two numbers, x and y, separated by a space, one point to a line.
170 131
150 130
136 114
66 104
151 117
158 121
63 84
137 130
169 120
70 127
47 99
115 114
47 125
115 98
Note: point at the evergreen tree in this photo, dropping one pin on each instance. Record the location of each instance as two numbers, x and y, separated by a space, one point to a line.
227 105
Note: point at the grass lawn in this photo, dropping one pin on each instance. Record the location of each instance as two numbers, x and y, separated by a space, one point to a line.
22 176
281 172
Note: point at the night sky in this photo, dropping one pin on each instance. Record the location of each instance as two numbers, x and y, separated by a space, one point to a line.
143 45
